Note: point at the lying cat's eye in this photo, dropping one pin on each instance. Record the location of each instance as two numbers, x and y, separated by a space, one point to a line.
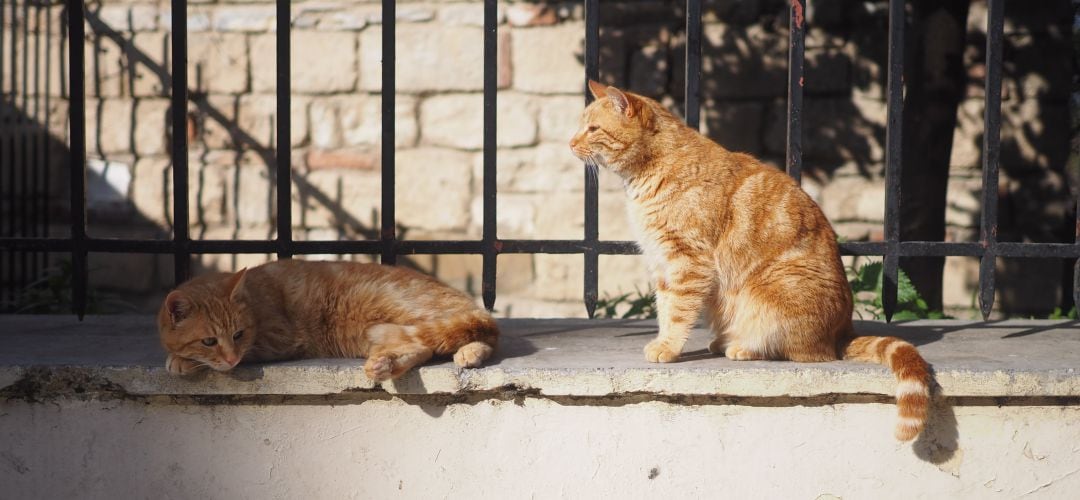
209 341
238 334
593 128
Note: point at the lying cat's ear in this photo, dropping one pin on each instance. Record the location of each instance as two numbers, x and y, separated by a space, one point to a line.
236 284
620 101
598 89
178 306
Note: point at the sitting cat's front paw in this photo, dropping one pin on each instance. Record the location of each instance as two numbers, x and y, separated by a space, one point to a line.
379 368
181 366
658 351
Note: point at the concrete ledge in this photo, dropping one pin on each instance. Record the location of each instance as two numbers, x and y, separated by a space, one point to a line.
568 409
53 356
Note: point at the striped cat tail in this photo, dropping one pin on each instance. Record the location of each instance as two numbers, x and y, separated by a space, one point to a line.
470 336
912 373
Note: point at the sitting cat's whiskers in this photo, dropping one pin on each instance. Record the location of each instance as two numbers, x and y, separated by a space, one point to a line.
592 169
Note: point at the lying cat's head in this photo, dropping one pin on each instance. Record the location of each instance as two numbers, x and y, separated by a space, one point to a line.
615 129
205 320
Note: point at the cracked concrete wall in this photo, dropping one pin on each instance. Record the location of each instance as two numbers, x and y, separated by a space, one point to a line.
530 447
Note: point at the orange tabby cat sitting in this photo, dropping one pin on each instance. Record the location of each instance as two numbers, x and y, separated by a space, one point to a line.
726 235
289 309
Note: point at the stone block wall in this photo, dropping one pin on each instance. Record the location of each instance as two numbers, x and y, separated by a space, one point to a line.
336 128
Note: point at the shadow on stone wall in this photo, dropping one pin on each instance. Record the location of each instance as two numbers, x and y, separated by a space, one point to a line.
642 43
142 278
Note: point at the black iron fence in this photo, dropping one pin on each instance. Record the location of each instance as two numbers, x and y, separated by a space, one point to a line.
31 243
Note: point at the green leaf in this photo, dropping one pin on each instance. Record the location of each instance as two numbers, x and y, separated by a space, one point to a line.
905 316
867 278
906 292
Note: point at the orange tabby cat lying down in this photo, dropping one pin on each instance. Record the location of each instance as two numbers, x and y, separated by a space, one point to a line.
289 309
725 234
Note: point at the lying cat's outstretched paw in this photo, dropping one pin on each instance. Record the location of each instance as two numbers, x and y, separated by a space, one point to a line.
181 366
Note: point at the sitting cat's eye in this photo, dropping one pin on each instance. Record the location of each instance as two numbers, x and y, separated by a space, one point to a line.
209 341
593 128
238 334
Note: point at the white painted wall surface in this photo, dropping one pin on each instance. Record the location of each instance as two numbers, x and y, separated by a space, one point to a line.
535 448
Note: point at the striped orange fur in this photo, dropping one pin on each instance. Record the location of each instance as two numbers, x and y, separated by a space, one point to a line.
735 240
289 309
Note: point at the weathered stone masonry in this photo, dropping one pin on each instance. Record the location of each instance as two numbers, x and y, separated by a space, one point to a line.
335 135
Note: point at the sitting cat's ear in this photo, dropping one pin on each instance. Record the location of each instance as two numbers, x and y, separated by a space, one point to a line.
177 305
235 284
620 101
598 89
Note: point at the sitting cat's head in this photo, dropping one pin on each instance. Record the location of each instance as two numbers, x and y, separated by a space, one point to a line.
206 321
615 129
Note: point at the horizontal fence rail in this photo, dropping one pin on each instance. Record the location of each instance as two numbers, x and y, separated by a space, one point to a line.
490 246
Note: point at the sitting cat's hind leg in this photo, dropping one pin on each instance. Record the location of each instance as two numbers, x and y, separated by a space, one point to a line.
717 346
736 352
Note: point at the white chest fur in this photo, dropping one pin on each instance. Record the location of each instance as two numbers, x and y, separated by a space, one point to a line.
648 241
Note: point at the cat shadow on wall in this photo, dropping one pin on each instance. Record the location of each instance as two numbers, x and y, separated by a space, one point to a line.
939 441
410 385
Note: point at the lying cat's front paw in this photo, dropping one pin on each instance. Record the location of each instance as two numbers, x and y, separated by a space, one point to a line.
379 368
181 366
658 351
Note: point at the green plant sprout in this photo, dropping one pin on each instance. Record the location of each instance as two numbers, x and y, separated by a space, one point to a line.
51 294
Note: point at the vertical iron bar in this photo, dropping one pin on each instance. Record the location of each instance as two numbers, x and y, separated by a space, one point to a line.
77 167
692 109
35 145
25 145
7 286
14 51
284 126
892 156
46 161
991 149
491 82
389 232
592 232
1076 265
12 133
796 48
181 230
